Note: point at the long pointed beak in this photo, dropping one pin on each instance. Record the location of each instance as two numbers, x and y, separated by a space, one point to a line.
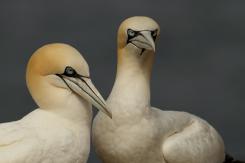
144 41
85 88
148 39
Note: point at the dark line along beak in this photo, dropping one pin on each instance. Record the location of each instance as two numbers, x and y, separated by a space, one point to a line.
84 87
144 40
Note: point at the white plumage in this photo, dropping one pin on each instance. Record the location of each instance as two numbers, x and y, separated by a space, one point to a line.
58 131
138 132
43 137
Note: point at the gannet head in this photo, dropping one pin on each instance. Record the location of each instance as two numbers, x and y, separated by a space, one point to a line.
139 34
136 44
57 73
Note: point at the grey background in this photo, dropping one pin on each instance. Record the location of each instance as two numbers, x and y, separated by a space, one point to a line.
199 65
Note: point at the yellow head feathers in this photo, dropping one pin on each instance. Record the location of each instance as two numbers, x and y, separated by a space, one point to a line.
136 23
58 76
53 58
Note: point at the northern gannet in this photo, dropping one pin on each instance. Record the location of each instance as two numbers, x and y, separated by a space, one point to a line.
138 132
59 130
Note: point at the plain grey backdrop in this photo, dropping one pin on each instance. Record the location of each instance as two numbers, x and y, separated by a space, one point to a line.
199 65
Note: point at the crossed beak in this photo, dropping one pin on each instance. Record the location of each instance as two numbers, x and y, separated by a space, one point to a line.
144 41
84 87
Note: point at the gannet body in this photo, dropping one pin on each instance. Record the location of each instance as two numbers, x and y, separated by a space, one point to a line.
138 132
59 130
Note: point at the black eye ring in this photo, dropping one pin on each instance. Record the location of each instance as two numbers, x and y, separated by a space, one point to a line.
154 34
131 33
69 71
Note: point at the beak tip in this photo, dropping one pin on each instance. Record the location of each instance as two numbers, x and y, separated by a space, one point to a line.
153 48
109 114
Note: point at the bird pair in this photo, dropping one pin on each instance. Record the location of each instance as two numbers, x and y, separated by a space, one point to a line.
126 130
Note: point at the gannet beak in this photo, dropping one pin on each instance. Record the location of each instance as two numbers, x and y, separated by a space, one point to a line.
84 87
144 41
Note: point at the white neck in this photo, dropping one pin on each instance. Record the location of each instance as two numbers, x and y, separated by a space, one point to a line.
75 109
60 101
131 91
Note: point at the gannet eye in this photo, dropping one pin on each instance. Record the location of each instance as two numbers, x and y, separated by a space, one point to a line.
154 34
69 71
131 33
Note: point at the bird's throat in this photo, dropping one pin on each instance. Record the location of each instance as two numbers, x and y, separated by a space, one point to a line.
132 86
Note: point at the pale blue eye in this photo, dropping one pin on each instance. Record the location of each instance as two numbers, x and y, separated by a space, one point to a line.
131 33
69 71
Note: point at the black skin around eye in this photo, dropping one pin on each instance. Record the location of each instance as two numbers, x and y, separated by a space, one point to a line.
154 34
69 71
131 32
131 36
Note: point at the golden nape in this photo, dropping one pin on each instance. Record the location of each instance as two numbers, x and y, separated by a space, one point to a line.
58 131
